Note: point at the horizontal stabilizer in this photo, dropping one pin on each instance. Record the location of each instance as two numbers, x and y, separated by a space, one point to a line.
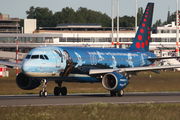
161 58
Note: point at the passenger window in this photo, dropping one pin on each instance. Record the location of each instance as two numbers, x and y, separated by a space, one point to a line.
41 57
34 56
28 56
46 57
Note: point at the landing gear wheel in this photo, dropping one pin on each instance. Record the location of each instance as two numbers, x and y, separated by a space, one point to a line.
57 91
63 91
120 93
112 93
41 93
45 93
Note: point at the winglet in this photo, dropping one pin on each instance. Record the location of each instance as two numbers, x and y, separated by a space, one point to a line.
143 35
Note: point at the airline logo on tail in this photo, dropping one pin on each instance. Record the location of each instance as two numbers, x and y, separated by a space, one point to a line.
142 38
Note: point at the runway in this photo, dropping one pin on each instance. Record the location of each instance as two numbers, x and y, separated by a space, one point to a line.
80 99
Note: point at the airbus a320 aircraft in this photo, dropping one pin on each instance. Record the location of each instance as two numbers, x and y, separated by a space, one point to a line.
110 66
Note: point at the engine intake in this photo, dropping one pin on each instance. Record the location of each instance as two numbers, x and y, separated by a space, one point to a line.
114 81
26 83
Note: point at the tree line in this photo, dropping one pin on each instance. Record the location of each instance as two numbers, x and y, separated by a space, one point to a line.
46 18
172 18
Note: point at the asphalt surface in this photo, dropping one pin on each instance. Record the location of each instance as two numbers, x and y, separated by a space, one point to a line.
79 99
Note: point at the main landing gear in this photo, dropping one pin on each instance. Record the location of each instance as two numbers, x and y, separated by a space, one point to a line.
59 89
43 93
119 93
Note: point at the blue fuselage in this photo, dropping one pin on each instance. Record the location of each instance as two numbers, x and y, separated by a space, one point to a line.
75 62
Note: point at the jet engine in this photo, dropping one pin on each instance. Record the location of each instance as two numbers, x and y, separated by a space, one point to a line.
26 83
114 81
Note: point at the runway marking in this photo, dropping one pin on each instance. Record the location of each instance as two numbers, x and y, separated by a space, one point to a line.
89 98
75 94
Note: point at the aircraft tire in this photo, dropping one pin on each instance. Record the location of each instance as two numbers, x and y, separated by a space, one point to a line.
63 91
57 91
120 93
112 93
45 93
41 93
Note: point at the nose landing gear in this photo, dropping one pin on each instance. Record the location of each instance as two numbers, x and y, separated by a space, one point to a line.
43 93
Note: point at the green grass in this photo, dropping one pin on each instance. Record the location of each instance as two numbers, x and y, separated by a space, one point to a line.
93 111
166 81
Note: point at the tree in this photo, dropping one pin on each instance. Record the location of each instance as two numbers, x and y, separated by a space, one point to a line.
57 18
173 16
31 13
139 15
43 16
21 22
158 23
125 21
68 15
165 23
89 16
82 15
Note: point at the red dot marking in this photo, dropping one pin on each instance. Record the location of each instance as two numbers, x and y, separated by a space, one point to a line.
146 42
147 9
142 44
146 16
138 45
141 30
144 20
148 37
139 37
148 28
149 32
146 12
143 25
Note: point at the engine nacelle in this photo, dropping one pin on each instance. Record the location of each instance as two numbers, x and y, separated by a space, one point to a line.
26 83
114 81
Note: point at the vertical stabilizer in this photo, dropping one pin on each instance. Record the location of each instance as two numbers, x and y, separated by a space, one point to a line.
143 35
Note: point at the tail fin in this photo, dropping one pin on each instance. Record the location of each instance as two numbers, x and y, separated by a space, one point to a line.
143 35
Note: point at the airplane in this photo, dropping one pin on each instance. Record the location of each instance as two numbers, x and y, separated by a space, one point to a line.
110 66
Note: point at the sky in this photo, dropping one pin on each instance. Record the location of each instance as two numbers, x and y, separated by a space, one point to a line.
18 8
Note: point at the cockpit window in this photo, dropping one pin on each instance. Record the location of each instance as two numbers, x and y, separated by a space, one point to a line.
34 56
41 57
28 56
46 57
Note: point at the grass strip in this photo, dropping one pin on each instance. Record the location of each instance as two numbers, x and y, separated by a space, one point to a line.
94 111
166 81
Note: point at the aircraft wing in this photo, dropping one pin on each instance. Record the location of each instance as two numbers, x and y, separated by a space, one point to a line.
11 64
134 69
